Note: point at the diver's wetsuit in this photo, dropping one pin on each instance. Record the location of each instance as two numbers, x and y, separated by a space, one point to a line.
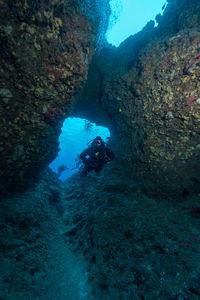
97 157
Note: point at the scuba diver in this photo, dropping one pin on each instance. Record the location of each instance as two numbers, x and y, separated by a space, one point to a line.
95 156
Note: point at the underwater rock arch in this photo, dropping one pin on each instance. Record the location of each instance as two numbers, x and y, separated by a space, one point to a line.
149 89
130 245
128 89
46 47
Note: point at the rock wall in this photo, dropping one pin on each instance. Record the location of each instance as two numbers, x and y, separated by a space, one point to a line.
157 105
149 89
46 47
125 245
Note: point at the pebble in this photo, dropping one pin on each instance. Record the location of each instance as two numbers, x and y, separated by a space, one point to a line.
5 93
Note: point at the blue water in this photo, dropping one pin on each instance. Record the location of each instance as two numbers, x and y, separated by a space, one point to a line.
129 17
75 136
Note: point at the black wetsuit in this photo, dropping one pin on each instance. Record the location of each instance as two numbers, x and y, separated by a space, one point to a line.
95 157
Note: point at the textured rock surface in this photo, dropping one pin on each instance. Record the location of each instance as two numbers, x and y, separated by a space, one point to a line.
98 237
36 262
45 50
127 245
159 102
149 89
136 247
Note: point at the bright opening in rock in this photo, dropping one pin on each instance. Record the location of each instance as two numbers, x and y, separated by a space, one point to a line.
76 135
129 17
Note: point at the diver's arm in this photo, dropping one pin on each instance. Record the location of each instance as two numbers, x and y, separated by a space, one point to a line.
84 154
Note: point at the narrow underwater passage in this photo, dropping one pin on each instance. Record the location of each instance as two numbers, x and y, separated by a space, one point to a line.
76 135
131 231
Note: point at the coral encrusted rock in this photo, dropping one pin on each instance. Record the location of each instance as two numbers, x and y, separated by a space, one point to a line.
149 87
157 113
46 47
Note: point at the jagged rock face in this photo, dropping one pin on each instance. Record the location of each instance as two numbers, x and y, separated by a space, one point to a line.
45 50
179 15
157 108
134 246
149 88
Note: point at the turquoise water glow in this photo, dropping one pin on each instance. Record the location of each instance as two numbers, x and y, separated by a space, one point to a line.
134 15
75 136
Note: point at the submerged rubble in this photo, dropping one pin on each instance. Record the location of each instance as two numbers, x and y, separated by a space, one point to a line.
135 247
98 237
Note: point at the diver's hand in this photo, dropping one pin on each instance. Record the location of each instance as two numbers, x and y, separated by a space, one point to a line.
86 161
